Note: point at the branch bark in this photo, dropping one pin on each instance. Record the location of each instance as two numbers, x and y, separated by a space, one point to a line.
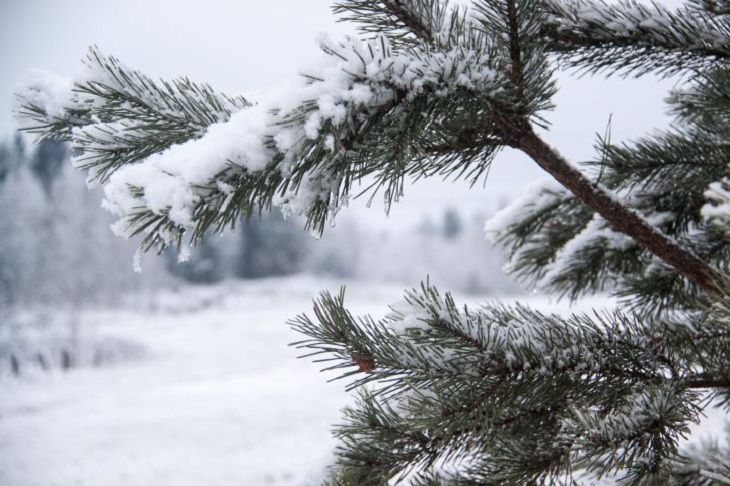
621 217
707 383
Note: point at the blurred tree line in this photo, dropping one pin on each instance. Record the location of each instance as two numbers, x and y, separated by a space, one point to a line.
270 246
56 247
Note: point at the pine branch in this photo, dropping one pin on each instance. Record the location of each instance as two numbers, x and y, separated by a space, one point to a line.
412 24
390 124
633 38
400 19
519 134
559 245
608 394
117 116
544 237
553 246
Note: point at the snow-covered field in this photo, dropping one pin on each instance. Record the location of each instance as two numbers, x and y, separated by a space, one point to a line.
212 394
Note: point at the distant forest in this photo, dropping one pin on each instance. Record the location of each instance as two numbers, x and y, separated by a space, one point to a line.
56 247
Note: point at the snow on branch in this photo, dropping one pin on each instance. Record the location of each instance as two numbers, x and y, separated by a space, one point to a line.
115 115
535 227
635 38
557 244
427 337
717 209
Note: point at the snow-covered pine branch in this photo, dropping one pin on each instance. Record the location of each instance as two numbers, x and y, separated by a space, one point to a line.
114 115
636 38
586 390
547 231
295 149
558 245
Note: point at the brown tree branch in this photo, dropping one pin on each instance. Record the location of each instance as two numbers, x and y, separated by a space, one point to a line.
621 217
708 383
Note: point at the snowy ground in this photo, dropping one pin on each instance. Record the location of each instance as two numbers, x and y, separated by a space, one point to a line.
216 397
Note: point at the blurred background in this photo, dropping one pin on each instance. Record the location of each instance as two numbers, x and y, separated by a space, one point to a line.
181 374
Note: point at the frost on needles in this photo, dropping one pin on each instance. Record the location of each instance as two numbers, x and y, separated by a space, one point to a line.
448 394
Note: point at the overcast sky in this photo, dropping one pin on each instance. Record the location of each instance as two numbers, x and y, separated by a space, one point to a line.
249 45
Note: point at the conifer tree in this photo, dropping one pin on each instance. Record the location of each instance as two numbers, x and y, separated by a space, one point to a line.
449 394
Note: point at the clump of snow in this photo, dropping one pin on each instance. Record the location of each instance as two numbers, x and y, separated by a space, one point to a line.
406 316
536 198
48 91
597 232
171 180
717 209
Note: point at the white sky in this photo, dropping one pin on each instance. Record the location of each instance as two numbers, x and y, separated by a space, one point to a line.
249 45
